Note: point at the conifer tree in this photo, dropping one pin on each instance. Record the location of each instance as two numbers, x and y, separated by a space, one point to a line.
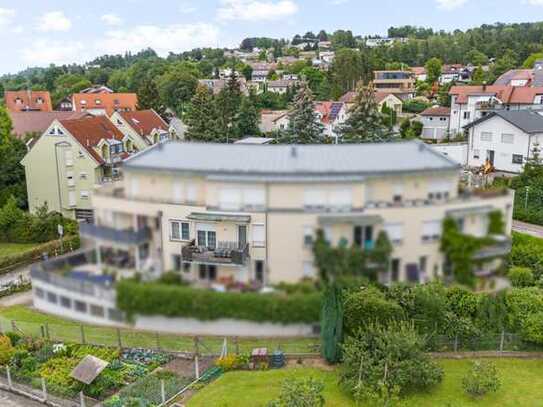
247 124
201 118
365 123
149 98
227 105
304 125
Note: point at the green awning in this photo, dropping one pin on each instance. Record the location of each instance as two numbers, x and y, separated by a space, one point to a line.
219 217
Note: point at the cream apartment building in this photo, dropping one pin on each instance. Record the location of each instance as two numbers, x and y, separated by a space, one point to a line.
250 213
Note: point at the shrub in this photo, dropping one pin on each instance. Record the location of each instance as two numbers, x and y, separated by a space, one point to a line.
532 328
367 305
300 393
481 379
6 350
233 362
178 301
520 303
521 277
392 355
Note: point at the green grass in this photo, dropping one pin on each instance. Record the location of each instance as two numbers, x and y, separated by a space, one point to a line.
7 249
522 385
30 322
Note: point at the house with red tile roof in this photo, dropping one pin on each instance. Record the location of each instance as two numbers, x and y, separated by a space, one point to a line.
34 123
523 77
104 103
142 127
469 103
28 100
70 159
331 115
390 100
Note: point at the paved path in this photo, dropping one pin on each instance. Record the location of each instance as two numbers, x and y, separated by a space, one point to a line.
24 298
527 228
8 399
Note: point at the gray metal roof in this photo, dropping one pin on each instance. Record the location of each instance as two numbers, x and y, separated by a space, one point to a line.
302 161
526 120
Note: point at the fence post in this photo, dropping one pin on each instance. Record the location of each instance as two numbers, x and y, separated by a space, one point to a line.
157 339
236 344
196 365
502 340
47 331
13 325
10 385
42 329
456 343
81 399
162 391
43 389
119 338
82 334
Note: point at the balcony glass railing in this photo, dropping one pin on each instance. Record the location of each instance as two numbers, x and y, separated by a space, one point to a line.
115 235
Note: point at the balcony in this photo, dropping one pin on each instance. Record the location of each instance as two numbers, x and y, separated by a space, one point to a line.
226 253
126 237
499 248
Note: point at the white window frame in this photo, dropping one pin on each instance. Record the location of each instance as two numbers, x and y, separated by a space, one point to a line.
431 230
508 138
84 194
395 232
486 136
258 239
179 223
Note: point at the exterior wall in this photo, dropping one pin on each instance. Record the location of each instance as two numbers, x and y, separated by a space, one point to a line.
455 151
392 102
435 127
503 152
287 219
47 168
137 140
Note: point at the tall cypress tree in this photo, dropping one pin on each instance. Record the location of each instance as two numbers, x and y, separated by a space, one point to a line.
201 117
304 125
365 123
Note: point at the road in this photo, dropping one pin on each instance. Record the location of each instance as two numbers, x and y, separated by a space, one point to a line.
527 228
8 399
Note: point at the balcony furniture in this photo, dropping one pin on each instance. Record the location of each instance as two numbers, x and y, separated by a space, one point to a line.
224 253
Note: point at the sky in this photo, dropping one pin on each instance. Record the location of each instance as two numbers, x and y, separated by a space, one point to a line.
39 32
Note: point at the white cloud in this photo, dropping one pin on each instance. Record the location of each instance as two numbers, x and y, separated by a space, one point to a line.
111 19
43 52
54 21
534 2
450 4
6 16
255 10
186 8
175 38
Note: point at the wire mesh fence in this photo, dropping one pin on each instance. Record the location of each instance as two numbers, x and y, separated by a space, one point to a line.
130 338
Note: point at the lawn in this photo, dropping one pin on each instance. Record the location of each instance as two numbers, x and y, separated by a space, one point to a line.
522 385
7 249
30 322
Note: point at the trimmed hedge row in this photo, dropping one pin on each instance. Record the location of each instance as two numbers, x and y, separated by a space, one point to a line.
51 248
178 301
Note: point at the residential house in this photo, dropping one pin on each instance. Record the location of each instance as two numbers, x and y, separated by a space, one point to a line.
435 121
504 138
469 103
177 129
454 73
325 44
233 214
387 99
401 83
331 115
419 72
281 86
216 85
523 77
65 105
28 100
34 123
69 161
142 128
97 89
272 121
327 56
379 42
261 71
104 103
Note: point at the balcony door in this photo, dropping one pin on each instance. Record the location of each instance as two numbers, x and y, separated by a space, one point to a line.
206 235
242 236
363 237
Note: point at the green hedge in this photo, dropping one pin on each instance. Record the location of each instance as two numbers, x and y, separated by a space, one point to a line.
178 301
52 248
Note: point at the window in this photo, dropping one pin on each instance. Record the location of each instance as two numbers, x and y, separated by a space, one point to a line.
517 159
342 199
84 194
254 198
259 271
97 310
134 186
308 236
39 292
52 298
508 138
192 193
70 178
314 198
65 302
207 272
80 306
259 235
439 189
476 154
179 230
206 236
115 315
177 192
431 230
309 270
467 115
394 232
230 198
98 101
69 158
397 192
395 270
177 262
83 175
486 136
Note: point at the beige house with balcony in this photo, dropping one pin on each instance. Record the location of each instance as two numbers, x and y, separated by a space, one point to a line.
220 213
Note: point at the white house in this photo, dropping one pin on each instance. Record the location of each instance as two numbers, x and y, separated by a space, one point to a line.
504 138
273 120
435 121
470 103
331 115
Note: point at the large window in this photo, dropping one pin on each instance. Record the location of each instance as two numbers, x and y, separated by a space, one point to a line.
431 230
486 136
52 298
179 230
259 235
65 302
80 306
508 138
207 238
439 189
517 159
341 199
394 232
